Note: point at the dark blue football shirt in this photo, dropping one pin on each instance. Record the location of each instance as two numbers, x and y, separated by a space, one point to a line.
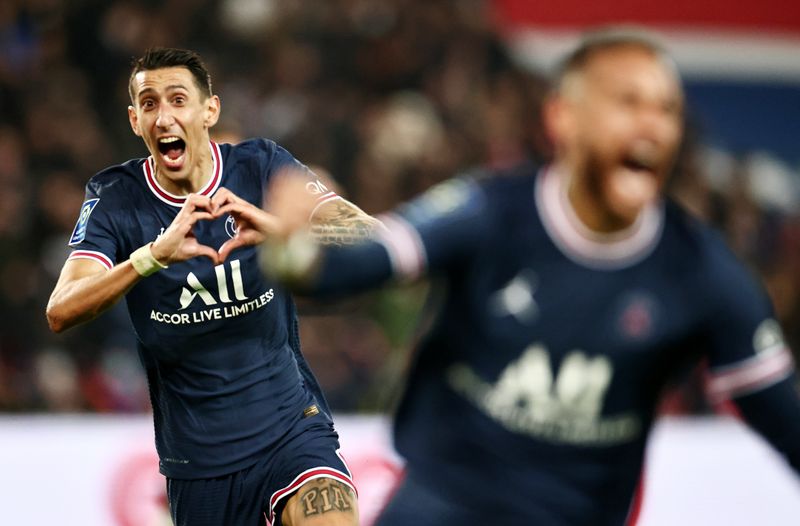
220 344
531 397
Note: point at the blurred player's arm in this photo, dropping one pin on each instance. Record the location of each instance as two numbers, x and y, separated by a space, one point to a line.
336 222
775 413
427 234
86 288
750 362
340 222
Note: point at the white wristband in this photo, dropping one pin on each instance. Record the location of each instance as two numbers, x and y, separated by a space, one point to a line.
144 262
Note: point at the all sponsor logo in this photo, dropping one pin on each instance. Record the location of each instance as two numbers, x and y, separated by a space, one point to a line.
224 302
560 406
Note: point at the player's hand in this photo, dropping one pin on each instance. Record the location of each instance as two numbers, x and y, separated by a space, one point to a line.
178 242
290 203
253 225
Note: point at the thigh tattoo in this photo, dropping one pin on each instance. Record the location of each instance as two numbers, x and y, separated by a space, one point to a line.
325 496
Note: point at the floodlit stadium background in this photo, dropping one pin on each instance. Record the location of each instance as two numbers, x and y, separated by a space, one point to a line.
388 97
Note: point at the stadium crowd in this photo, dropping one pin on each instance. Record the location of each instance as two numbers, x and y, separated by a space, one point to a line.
387 97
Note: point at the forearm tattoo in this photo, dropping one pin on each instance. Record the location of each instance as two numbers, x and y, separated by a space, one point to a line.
346 225
329 495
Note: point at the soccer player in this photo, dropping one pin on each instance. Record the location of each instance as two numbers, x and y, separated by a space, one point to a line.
570 294
242 430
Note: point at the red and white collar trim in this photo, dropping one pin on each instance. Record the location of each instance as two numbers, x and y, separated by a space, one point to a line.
178 200
584 246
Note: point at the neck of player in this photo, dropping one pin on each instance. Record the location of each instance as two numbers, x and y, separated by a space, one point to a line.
191 181
588 204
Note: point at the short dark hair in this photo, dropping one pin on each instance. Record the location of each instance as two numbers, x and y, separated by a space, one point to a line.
164 57
604 39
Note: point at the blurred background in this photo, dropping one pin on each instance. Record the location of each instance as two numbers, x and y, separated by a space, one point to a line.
387 97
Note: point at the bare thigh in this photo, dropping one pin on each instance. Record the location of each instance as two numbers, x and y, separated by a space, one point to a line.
321 502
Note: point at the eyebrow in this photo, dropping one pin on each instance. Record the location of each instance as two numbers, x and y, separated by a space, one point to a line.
171 87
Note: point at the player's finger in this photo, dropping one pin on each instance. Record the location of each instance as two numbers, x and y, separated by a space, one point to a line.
188 207
232 208
198 215
210 253
197 201
221 197
228 247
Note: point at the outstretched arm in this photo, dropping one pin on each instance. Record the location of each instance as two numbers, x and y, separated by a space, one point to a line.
775 413
443 227
340 223
749 360
293 227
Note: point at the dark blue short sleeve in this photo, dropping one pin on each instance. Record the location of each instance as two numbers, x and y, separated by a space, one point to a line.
747 352
93 236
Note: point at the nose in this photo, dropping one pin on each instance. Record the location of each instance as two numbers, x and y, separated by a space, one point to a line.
656 125
165 118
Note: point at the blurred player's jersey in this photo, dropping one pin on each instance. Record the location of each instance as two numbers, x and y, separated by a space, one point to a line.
530 399
220 343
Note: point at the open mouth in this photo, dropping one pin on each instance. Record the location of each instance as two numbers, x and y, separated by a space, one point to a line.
642 158
172 150
637 183
640 163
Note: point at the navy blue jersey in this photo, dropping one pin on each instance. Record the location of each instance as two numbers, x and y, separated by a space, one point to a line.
220 344
534 390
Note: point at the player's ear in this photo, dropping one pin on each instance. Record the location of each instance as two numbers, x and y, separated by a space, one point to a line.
558 119
213 107
133 118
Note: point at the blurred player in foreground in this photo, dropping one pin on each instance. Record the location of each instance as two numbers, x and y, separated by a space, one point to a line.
242 429
571 294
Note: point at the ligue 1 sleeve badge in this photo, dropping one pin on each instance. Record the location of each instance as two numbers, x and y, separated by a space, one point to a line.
79 233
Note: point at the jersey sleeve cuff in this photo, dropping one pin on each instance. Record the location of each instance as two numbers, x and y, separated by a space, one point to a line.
404 245
93 255
751 375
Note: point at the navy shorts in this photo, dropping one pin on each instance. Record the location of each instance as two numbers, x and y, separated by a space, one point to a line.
420 503
250 496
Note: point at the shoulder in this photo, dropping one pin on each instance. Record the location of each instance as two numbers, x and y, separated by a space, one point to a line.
689 233
249 146
117 180
255 146
506 181
478 193
262 155
697 245
509 192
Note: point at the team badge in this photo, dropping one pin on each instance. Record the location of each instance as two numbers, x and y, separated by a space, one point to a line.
79 233
230 227
637 316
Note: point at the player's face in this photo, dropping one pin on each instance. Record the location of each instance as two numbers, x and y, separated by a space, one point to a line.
173 117
626 124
